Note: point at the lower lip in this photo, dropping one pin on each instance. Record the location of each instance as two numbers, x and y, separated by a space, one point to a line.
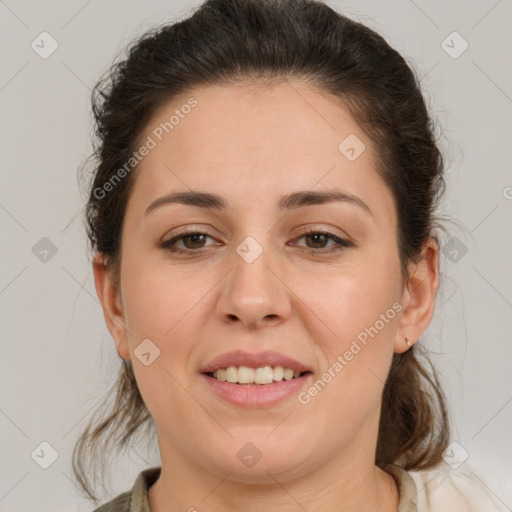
256 395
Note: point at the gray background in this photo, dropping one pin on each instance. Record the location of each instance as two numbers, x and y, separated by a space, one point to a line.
58 359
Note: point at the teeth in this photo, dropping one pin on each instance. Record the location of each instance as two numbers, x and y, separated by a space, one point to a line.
245 375
232 374
278 373
264 375
248 375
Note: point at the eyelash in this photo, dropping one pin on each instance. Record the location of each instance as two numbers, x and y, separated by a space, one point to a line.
342 243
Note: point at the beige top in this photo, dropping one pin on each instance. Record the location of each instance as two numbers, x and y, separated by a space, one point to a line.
436 490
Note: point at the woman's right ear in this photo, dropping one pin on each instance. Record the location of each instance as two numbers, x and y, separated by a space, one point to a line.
111 302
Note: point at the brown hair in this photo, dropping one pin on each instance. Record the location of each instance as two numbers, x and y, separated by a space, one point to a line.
235 41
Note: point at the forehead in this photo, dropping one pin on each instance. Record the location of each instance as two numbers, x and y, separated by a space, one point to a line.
251 140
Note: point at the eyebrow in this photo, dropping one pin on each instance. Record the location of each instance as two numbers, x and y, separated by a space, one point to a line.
287 202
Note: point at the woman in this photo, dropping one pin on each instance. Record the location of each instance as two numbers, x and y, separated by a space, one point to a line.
263 221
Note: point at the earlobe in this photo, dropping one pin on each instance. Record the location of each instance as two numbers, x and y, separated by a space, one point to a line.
111 303
419 297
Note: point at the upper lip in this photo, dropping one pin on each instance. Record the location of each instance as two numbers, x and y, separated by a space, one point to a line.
260 359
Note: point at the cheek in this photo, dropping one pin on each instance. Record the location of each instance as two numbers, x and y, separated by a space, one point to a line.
157 312
156 300
164 396
352 318
350 299
355 345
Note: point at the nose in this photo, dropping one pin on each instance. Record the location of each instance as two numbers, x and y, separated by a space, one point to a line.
254 293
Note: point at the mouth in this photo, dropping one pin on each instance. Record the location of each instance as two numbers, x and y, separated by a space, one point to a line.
261 387
248 376
262 379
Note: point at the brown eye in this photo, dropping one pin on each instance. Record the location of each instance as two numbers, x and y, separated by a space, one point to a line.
191 240
319 239
196 239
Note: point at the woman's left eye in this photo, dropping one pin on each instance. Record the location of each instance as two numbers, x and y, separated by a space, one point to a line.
319 237
194 240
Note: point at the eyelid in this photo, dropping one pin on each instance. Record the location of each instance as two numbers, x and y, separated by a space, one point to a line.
302 230
341 242
305 230
190 230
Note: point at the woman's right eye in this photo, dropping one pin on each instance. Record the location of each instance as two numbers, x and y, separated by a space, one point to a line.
196 237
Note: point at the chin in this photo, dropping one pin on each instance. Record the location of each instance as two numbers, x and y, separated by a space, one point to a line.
256 458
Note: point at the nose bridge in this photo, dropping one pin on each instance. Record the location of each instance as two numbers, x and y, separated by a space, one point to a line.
252 291
251 278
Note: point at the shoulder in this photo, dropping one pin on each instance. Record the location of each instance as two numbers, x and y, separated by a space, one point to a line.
445 488
135 500
119 504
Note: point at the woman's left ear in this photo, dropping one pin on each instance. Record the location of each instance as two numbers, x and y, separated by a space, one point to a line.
418 299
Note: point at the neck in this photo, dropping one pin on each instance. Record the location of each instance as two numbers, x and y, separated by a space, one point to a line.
184 486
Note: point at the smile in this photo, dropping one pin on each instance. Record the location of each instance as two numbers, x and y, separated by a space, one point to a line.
246 375
256 389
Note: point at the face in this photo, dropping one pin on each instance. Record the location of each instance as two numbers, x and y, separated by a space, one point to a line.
313 280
